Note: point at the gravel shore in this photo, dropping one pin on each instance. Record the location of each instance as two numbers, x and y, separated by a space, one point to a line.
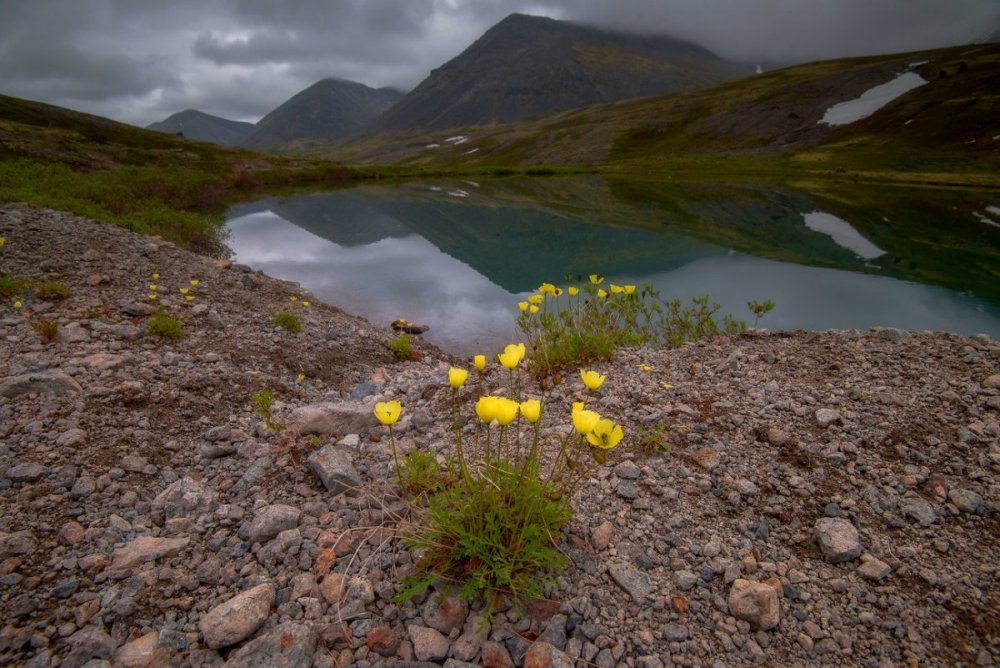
819 498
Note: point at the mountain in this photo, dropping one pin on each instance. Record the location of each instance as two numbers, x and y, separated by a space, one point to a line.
528 67
329 109
196 124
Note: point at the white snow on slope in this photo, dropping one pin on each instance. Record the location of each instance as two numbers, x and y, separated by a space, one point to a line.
842 233
872 100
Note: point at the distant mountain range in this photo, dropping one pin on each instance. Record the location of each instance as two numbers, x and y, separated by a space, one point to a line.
523 68
204 127
528 67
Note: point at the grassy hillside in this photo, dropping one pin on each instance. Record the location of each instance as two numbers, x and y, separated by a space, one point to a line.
144 180
945 131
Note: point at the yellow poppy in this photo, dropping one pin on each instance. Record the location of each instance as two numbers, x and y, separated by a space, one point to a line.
184 291
616 288
534 309
522 306
602 294
486 408
531 409
605 434
388 412
457 376
195 282
585 421
629 289
592 379
506 410
546 287
479 361
573 291
596 279
536 299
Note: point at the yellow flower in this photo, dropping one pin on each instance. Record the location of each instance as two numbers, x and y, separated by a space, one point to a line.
596 279
388 412
152 295
585 421
152 286
305 304
667 386
573 292
578 406
602 294
523 306
293 298
506 410
536 299
195 282
189 298
592 379
557 292
184 291
479 361
644 367
17 303
301 377
486 408
605 434
3 240
531 409
156 277
534 309
546 287
629 289
616 288
457 376
512 355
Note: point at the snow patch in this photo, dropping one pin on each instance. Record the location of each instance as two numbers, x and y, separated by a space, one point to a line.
470 152
995 210
986 219
458 192
842 233
433 146
919 63
435 189
872 100
457 139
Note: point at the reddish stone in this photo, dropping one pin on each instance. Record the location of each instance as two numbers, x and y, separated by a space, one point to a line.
383 641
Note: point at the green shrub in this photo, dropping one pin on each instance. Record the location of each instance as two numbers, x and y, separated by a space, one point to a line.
401 347
51 291
422 475
263 402
165 327
287 321
11 286
46 329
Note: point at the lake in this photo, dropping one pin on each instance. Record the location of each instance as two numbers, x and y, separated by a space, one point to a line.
458 255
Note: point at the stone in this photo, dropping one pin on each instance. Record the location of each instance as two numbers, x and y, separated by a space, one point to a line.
234 620
874 569
755 602
289 645
335 470
272 520
965 499
83 487
90 642
495 655
182 498
628 470
344 417
139 652
71 438
70 533
428 644
745 487
778 437
918 508
601 536
137 309
28 472
826 416
383 641
143 549
333 587
73 332
444 614
675 632
541 654
635 582
685 579
838 539
48 382
707 459
991 382
101 362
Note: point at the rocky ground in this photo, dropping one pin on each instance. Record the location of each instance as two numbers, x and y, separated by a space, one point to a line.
780 499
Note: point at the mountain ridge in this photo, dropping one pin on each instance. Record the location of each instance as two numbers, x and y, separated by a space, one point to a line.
196 124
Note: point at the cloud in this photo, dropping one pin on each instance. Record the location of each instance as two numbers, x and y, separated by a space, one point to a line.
141 61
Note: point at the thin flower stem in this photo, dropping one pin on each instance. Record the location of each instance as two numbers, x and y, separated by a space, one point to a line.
395 456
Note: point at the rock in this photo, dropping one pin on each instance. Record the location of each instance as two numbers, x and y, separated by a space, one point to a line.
745 487
137 309
992 381
101 362
778 437
755 602
83 487
335 470
826 416
918 508
70 533
838 539
346 417
937 486
965 499
636 583
601 536
685 579
88 643
71 438
183 498
333 587
40 382
272 520
73 332
220 433
383 641
289 645
495 655
143 549
27 472
139 652
675 632
874 569
230 622
707 459
628 470
428 644
444 614
543 655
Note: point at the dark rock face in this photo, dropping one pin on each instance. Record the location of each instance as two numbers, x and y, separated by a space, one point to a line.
195 124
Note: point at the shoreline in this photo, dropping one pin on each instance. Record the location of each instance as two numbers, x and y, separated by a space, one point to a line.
140 493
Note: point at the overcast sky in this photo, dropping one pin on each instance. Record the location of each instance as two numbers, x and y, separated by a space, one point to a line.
139 61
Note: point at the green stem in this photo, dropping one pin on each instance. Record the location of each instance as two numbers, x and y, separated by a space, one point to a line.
395 456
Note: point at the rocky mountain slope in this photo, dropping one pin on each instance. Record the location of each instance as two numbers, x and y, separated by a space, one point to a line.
205 127
527 67
329 109
815 498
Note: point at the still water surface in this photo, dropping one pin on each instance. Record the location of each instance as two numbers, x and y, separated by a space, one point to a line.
458 256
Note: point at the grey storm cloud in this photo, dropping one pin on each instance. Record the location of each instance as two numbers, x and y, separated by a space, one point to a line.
140 61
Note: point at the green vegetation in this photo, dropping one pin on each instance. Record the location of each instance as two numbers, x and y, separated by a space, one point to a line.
263 403
51 291
12 286
655 439
48 330
422 475
760 309
165 327
287 321
402 347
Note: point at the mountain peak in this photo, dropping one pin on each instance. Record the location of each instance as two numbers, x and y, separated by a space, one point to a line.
196 124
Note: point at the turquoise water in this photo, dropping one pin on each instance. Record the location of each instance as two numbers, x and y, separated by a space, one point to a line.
458 256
